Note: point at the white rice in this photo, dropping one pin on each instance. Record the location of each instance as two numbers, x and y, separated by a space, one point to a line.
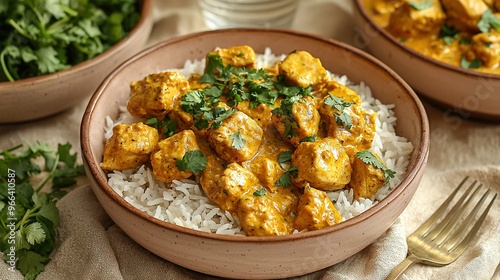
184 203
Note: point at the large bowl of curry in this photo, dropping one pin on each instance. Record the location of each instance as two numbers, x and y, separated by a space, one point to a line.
250 256
447 50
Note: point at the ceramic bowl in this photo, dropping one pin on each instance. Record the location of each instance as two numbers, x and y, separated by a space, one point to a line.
464 92
38 97
255 257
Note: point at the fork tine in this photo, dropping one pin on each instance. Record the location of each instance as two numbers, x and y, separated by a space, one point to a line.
447 224
453 244
427 225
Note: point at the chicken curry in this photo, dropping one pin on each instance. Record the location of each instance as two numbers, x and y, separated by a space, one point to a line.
464 33
264 144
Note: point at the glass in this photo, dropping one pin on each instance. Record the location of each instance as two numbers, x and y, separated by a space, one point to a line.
248 13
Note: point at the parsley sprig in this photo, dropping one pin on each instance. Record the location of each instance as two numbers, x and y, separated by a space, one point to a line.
27 211
368 158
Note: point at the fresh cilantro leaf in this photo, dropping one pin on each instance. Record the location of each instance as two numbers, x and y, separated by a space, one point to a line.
34 233
311 138
193 161
31 264
50 212
238 141
166 126
260 192
285 156
420 5
339 104
488 20
214 65
36 214
42 37
465 41
448 34
219 115
368 158
476 63
286 179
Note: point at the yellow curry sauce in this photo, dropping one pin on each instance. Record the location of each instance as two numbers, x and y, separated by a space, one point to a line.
464 33
264 144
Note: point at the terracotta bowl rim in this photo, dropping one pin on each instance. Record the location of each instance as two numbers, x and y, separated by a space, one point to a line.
458 70
413 170
146 13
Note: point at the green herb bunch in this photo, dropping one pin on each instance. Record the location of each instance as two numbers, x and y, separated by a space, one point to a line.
28 216
39 37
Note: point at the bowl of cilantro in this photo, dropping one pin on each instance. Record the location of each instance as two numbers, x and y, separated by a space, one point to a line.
54 54
447 51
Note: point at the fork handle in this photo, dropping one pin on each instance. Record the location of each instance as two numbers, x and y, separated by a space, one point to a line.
398 270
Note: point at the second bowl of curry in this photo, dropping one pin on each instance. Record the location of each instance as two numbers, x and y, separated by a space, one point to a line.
448 51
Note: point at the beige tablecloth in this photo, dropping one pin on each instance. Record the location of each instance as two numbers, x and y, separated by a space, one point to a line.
91 246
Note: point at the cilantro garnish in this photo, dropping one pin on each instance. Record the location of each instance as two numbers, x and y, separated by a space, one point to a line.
285 157
193 161
311 138
43 37
448 34
286 179
260 192
488 20
368 158
167 126
29 214
339 104
202 105
238 141
423 5
476 63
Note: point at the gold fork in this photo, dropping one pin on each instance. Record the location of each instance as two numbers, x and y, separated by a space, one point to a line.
439 241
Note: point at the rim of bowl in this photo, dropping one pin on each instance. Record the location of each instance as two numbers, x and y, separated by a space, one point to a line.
413 170
146 13
362 9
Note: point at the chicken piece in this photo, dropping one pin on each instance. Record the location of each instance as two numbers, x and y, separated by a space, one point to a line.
366 179
384 7
237 139
285 200
258 217
129 147
409 22
154 95
238 56
353 127
464 14
315 211
261 114
323 164
164 161
486 47
267 170
302 69
303 122
232 184
183 119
